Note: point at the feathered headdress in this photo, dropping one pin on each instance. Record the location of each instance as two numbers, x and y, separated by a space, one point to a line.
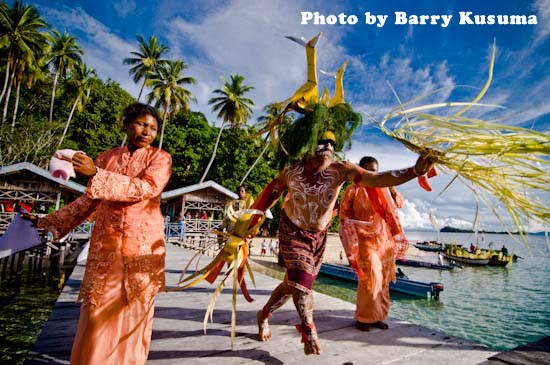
297 139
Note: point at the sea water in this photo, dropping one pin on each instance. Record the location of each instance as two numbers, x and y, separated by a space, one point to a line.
499 307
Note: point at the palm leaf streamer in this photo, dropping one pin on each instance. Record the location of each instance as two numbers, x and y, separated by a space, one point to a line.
507 162
234 254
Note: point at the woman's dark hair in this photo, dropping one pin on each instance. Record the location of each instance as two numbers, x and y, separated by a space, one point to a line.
368 159
136 110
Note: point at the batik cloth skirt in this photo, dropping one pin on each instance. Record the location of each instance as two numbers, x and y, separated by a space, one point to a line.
302 252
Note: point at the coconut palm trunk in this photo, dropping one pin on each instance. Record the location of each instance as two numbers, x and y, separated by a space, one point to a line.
255 162
141 90
5 87
163 124
16 105
5 112
213 155
53 95
68 122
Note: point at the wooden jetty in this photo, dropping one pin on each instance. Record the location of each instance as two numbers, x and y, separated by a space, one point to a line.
178 331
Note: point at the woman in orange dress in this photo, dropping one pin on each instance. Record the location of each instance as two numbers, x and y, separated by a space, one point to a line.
125 266
369 223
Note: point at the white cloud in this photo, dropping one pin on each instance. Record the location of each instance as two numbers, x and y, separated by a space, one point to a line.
542 7
124 7
104 51
411 218
249 40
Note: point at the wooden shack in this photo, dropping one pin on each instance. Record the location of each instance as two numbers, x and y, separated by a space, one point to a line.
29 184
190 201
208 196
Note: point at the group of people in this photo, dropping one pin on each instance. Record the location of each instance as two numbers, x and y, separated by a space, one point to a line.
125 266
11 206
270 246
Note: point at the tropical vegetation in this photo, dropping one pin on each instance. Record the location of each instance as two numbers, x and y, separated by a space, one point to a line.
51 99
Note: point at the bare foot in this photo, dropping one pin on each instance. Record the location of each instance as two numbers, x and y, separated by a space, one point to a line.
309 339
264 333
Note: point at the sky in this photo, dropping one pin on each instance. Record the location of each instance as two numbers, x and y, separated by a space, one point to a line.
218 38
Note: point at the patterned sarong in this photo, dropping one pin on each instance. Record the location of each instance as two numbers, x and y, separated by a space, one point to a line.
302 253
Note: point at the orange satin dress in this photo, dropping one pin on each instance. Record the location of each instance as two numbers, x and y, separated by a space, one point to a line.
125 266
371 241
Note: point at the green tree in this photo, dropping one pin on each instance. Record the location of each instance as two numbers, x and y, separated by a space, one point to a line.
232 107
97 128
79 85
168 92
237 151
33 141
63 56
271 112
189 139
146 60
20 34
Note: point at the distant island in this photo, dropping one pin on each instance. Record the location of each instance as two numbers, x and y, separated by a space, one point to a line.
459 230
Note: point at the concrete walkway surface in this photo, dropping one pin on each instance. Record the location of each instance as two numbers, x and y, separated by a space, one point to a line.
178 330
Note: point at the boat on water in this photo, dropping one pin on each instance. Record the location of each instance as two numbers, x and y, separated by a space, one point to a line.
432 246
402 285
427 265
495 260
478 256
470 260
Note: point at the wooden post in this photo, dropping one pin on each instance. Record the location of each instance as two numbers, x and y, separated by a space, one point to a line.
4 268
35 270
47 270
19 271
30 259
57 200
62 250
41 267
12 263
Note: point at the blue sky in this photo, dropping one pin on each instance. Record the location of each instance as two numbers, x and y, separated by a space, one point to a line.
218 38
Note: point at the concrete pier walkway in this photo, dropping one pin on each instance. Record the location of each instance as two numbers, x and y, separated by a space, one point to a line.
178 330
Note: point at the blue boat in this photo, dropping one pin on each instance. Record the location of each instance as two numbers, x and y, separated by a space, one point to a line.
427 265
402 285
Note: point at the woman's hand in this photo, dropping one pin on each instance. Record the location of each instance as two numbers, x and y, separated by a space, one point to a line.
84 165
30 217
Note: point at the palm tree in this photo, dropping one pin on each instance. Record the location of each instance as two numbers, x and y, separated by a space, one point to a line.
64 55
28 73
20 34
271 111
232 108
168 91
79 84
146 61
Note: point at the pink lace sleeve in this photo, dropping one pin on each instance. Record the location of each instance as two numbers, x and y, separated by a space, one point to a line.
62 221
111 186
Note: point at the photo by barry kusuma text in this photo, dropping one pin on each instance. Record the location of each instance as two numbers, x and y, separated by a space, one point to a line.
403 18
